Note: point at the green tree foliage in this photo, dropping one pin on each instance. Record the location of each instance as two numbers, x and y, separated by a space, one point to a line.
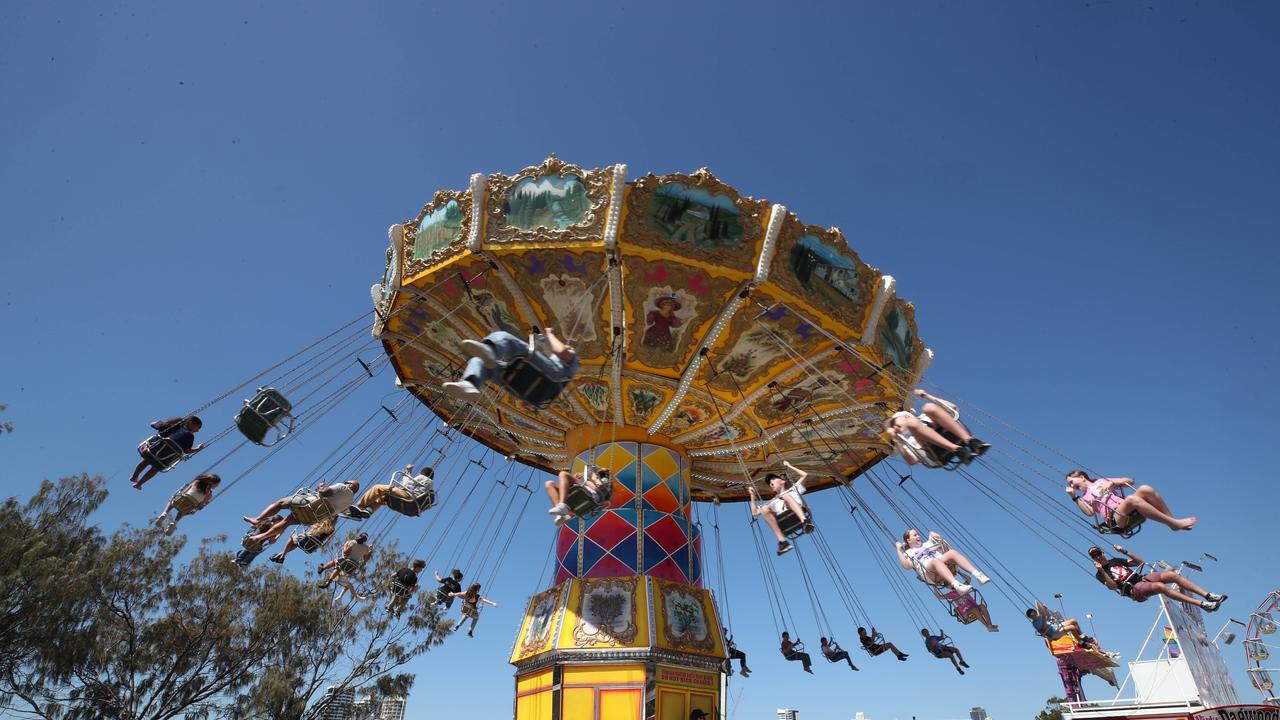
1052 709
117 626
5 427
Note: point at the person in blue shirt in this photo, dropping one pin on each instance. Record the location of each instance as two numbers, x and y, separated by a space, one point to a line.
943 651
1051 629
500 348
181 431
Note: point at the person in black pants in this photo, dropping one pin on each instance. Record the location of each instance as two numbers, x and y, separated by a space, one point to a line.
835 653
735 654
791 652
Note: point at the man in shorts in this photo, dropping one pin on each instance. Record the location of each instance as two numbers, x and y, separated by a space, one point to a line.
1124 576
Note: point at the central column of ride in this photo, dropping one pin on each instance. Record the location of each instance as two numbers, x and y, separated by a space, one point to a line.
626 632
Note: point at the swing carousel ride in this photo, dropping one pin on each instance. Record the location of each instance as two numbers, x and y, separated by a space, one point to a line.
718 334
721 341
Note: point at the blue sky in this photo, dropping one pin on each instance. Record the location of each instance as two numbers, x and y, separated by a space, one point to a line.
1079 197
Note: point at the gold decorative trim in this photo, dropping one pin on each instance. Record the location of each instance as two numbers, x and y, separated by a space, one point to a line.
589 229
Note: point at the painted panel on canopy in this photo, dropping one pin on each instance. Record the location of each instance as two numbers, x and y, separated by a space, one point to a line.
568 289
759 342
833 379
553 202
438 233
898 339
642 400
669 307
718 434
695 409
423 366
817 266
698 217
595 393
426 327
520 422
487 307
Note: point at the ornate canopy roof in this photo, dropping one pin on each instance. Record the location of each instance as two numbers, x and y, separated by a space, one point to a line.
711 321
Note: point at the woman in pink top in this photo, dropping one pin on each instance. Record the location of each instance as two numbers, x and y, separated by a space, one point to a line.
1098 497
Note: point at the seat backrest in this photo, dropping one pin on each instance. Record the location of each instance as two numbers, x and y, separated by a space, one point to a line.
528 383
917 451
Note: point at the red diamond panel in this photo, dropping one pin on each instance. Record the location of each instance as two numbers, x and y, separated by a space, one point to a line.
667 533
669 570
610 566
564 538
608 530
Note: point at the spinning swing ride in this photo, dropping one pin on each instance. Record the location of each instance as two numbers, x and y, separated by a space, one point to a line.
721 340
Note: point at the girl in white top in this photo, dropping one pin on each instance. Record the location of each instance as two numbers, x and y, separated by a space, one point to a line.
784 498
189 500
934 559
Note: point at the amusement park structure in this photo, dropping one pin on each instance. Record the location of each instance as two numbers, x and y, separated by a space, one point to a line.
718 335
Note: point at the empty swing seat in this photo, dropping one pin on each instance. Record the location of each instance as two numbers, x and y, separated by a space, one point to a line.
790 524
161 452
309 508
266 411
526 381
410 497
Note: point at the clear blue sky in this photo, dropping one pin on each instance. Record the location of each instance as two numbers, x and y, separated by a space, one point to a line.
1080 198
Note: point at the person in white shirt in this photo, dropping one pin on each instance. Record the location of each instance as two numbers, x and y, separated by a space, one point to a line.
409 489
355 553
337 496
784 498
933 560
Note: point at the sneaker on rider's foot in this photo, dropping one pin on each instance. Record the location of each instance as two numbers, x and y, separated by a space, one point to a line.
561 519
981 578
1209 606
784 547
482 350
808 526
965 454
1215 597
559 509
978 447
168 529
462 391
962 588
355 512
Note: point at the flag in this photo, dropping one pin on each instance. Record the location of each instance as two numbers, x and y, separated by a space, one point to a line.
1171 641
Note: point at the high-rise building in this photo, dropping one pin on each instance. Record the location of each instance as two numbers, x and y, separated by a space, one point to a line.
788 714
977 713
366 709
392 709
338 703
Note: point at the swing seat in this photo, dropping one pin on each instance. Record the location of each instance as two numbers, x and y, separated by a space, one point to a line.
308 543
527 382
162 453
835 650
1082 659
309 508
877 641
964 608
421 496
1133 528
1256 651
582 504
790 524
927 455
400 590
348 566
266 411
184 503
251 545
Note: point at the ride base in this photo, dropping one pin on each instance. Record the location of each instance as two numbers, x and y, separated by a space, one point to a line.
626 633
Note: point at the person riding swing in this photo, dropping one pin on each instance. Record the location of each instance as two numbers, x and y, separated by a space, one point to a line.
834 653
173 442
1102 500
533 376
785 500
934 437
579 494
1124 575
875 643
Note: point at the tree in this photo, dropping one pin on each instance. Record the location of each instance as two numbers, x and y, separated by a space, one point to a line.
5 427
114 626
1052 710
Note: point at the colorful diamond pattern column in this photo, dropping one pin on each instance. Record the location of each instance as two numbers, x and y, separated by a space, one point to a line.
646 530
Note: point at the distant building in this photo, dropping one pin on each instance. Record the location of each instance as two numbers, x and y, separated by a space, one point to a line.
978 713
859 715
392 709
788 714
366 709
338 703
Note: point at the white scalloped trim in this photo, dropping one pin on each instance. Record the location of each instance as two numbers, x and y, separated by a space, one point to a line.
777 214
884 293
477 212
